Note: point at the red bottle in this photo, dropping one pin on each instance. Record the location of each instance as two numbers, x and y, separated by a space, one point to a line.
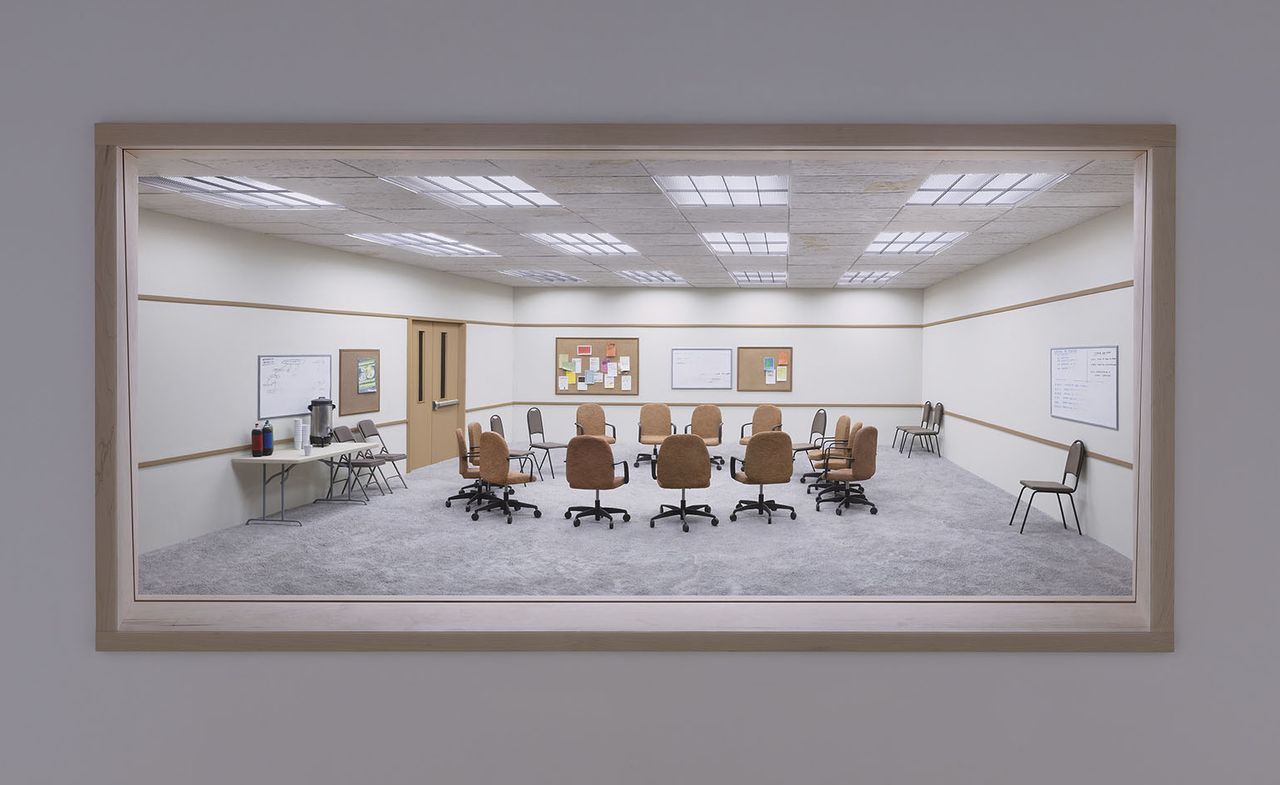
256 441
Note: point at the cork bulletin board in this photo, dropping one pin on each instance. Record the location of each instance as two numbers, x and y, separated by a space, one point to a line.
359 381
597 366
765 368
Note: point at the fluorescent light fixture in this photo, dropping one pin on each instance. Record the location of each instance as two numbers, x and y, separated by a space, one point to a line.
652 277
981 190
544 276
425 243
724 190
583 243
913 243
746 243
239 192
476 190
866 277
759 278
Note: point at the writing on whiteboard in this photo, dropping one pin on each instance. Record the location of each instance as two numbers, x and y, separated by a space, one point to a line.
288 382
701 369
1084 385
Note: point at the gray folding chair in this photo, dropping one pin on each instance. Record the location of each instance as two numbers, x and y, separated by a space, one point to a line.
925 414
926 435
495 425
1075 460
369 432
538 440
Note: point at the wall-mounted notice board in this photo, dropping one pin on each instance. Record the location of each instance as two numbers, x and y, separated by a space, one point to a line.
288 382
765 368
1084 385
359 381
702 369
597 366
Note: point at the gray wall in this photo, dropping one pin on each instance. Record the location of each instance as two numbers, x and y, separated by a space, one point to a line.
1205 713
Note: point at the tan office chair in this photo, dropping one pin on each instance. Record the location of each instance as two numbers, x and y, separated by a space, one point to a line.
925 413
707 422
589 467
766 417
590 421
683 463
472 491
474 430
1075 462
367 430
818 455
834 455
926 434
846 488
495 471
655 425
538 440
768 462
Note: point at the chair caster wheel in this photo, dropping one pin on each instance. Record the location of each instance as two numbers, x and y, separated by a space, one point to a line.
475 516
626 516
576 524
568 515
839 511
650 524
610 524
874 511
733 516
793 515
715 521
448 504
685 527
508 520
537 513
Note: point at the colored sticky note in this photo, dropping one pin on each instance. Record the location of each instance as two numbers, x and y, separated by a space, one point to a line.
584 349
769 363
563 362
611 350
572 377
784 357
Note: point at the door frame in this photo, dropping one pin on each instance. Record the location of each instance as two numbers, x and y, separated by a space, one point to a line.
410 393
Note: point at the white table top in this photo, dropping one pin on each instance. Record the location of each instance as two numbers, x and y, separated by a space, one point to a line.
317 453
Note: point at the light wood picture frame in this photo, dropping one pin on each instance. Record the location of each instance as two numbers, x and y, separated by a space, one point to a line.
126 620
598 348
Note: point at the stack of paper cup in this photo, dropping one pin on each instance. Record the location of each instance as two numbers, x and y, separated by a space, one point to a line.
302 436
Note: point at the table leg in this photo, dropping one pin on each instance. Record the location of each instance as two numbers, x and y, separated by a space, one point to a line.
274 518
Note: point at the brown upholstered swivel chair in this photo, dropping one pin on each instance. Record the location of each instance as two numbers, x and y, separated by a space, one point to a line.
818 455
927 434
473 491
707 422
766 417
846 488
768 462
368 431
1075 461
538 440
925 413
835 455
589 467
590 421
495 471
473 443
683 463
655 425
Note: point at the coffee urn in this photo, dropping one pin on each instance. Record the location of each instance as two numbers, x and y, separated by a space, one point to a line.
321 422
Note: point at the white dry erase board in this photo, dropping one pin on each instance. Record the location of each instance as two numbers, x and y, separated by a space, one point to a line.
701 369
288 382
1084 385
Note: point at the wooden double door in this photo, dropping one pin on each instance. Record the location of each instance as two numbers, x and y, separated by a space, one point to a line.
437 366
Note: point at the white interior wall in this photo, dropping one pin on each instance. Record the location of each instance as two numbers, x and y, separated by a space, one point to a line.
996 368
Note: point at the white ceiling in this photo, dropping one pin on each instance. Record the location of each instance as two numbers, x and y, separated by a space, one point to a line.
837 206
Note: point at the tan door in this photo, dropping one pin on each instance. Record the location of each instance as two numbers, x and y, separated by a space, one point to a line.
435 391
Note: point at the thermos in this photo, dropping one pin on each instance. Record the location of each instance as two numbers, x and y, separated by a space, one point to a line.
255 441
321 421
268 439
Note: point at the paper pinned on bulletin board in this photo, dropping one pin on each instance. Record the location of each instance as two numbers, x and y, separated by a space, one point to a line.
572 377
770 376
577 365
366 375
784 357
594 364
624 365
781 374
626 383
769 364
582 385
563 363
610 382
611 349
584 349
562 382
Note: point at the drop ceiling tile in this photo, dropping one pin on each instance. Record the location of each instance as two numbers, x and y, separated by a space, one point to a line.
275 227
713 167
149 166
871 263
1109 166
326 187
915 223
409 167
282 167
615 201
567 167
736 215
1095 183
844 201
829 242
1064 199
998 165
876 166
843 184
594 185
724 226
928 215
426 217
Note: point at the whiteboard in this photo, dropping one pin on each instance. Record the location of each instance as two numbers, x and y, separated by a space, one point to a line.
701 369
288 382
1084 385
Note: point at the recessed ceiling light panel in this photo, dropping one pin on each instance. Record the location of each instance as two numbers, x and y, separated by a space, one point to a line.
652 277
866 277
425 243
544 276
583 243
238 192
746 243
725 190
913 243
476 190
981 190
759 278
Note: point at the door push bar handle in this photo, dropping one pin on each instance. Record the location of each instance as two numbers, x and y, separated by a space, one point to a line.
444 404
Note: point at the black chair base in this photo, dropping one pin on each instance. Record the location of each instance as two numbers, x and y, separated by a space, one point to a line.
646 457
717 461
506 504
596 513
845 495
684 511
762 506
472 493
1061 509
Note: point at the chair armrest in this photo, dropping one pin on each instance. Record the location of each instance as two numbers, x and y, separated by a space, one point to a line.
734 462
777 427
578 425
626 471
742 432
686 428
613 431
673 429
653 469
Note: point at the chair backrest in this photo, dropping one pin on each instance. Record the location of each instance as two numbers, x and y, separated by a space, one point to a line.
935 417
864 453
368 430
473 441
1075 462
842 428
818 428
925 413
706 421
590 418
533 419
463 466
766 417
495 458
495 425
589 464
342 433
655 419
768 458
683 462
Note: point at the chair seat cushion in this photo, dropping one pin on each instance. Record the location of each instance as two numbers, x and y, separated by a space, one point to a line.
1046 486
652 439
618 482
741 477
711 441
743 441
392 456
470 474
918 431
519 453
519 478
548 446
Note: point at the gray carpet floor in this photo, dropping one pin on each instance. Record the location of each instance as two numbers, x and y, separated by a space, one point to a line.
940 531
